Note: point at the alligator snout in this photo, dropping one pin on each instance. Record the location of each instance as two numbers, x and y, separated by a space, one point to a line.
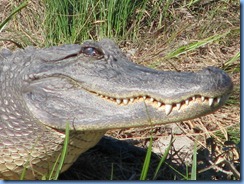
215 82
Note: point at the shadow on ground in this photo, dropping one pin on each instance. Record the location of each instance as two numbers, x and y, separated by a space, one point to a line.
119 160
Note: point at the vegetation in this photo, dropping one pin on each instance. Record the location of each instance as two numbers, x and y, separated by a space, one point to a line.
169 34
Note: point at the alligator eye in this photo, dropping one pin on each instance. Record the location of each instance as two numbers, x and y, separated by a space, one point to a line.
91 51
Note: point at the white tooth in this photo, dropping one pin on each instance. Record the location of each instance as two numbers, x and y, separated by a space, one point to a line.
118 101
178 105
168 108
187 102
125 101
144 97
218 99
111 98
106 57
159 104
151 99
132 99
106 97
203 98
210 101
194 98
102 96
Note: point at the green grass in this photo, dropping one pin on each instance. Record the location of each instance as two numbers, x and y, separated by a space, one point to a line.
162 160
54 175
233 134
194 164
147 160
146 165
194 45
231 66
72 21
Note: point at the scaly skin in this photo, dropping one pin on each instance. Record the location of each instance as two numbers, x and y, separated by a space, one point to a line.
93 87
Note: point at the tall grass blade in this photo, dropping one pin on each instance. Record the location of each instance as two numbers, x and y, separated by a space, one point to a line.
112 172
72 21
162 160
22 176
64 152
16 10
194 45
146 161
194 164
233 59
183 176
53 169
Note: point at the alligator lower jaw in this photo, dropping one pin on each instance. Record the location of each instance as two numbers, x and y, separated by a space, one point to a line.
168 108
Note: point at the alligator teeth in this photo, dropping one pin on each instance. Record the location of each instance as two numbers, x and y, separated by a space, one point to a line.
187 102
218 99
178 105
168 108
118 101
125 101
210 101
159 104
132 100
106 57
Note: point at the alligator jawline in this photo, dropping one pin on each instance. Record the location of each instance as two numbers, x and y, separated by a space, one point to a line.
168 107
161 105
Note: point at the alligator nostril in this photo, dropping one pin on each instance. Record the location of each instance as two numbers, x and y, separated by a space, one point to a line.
212 70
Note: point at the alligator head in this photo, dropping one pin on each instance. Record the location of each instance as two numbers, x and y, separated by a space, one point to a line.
94 87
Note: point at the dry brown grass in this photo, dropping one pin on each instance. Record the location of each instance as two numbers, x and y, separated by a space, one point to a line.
189 25
25 28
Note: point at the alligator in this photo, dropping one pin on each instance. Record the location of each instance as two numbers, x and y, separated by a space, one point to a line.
92 87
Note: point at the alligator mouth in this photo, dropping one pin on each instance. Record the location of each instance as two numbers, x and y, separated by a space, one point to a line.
160 105
157 104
